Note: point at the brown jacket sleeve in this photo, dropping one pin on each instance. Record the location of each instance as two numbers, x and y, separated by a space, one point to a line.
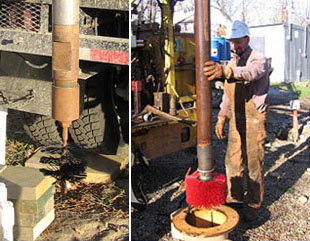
255 68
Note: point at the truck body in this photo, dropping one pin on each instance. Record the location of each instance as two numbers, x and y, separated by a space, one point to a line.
26 76
163 136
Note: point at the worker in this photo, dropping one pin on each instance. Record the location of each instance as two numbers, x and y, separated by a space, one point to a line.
245 104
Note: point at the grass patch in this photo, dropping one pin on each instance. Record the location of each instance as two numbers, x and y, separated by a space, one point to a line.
300 89
291 190
18 151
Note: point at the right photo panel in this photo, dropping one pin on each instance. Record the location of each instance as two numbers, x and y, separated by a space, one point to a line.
220 120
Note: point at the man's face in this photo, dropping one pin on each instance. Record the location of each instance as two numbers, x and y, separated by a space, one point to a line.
239 45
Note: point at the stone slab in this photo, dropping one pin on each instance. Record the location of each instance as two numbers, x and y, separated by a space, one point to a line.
122 155
25 183
35 160
24 233
32 219
2 168
100 168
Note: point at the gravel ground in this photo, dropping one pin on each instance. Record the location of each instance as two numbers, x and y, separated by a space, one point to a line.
286 209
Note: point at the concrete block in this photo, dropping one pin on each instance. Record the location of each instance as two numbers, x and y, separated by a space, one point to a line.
100 168
35 160
25 233
25 183
122 155
33 206
32 219
2 168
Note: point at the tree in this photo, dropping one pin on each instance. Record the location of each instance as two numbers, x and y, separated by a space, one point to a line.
246 9
226 8
294 11
231 10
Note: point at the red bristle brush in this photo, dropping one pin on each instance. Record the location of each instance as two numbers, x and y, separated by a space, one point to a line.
205 194
204 188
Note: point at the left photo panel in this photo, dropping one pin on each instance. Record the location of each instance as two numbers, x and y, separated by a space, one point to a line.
64 120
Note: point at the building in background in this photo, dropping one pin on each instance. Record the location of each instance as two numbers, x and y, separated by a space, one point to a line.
288 46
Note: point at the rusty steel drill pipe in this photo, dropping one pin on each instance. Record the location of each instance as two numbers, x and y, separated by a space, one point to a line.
203 90
65 63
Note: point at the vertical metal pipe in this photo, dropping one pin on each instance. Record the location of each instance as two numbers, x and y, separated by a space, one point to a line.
295 126
137 87
173 105
137 101
169 46
203 90
3 118
65 63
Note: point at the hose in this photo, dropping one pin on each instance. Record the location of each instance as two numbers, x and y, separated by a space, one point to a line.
32 65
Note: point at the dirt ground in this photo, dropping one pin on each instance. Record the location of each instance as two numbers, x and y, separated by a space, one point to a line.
286 209
92 212
88 212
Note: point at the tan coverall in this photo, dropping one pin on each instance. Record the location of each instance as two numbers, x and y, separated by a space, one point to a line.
247 130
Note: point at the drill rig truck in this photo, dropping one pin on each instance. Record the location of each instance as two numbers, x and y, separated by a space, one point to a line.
163 85
26 70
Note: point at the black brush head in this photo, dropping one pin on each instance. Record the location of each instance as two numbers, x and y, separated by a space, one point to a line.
71 166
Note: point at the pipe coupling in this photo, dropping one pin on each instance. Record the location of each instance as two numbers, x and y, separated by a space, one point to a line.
65 12
205 162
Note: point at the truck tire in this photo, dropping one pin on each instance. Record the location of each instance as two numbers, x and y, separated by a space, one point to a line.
88 130
217 93
42 129
98 125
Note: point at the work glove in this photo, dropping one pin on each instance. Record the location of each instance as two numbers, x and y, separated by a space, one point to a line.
219 127
215 70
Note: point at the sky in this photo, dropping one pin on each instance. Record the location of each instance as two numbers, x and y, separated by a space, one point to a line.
259 9
260 12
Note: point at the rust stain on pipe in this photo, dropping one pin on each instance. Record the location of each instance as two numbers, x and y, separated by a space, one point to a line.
203 89
203 86
65 73
295 125
65 64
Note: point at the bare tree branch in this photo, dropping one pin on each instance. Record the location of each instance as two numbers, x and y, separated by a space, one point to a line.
221 7
159 3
